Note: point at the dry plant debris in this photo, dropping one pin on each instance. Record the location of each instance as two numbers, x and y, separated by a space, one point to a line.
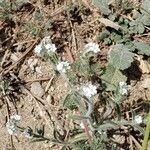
74 74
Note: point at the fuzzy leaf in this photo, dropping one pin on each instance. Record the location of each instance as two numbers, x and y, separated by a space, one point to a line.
120 57
112 77
79 137
102 5
104 34
146 20
145 7
83 67
71 101
142 47
137 26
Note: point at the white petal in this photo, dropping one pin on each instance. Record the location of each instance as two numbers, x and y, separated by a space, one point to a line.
138 119
10 131
38 49
16 117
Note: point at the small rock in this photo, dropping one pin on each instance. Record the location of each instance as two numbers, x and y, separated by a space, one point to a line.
32 63
38 70
146 83
52 88
120 139
37 89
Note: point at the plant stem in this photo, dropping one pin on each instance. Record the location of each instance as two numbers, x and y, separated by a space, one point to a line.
147 133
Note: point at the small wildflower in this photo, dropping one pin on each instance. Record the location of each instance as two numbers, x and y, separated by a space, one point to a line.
62 66
16 117
89 90
46 43
92 47
123 88
51 47
12 123
28 133
82 125
138 119
38 49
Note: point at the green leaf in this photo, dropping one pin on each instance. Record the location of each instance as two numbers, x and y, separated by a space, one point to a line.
77 138
120 57
82 66
140 28
145 7
137 25
102 5
106 126
142 47
146 20
71 101
112 77
104 34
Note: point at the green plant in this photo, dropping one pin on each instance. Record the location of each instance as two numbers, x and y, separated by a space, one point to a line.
88 80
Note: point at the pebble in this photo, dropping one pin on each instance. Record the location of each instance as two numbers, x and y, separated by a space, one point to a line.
146 83
37 89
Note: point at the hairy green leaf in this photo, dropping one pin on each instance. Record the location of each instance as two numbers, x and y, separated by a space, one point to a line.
120 57
104 34
79 137
142 47
145 7
146 20
137 26
82 66
112 77
71 101
102 5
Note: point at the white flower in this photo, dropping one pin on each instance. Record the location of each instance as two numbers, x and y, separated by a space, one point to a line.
123 88
16 117
82 125
89 90
38 49
47 44
92 47
51 47
138 119
12 123
62 66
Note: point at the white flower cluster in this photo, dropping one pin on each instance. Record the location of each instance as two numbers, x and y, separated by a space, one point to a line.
123 88
89 90
62 66
138 119
47 44
12 123
91 47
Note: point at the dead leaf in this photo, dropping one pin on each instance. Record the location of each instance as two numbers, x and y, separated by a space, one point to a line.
110 23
